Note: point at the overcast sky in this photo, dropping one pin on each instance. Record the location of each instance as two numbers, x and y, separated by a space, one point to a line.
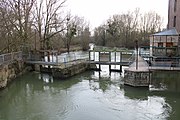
98 11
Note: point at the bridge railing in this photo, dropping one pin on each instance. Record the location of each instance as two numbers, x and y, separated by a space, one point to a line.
10 57
68 58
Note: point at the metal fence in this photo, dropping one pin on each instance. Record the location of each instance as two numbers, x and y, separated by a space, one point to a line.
72 57
10 57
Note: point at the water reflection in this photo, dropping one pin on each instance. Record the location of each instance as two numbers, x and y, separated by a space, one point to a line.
125 99
47 78
91 95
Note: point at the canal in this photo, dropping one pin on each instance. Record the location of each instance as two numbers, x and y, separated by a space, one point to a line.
91 95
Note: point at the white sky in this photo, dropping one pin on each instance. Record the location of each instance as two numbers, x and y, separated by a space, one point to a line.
98 11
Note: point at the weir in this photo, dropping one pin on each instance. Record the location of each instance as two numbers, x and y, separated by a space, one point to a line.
62 67
111 57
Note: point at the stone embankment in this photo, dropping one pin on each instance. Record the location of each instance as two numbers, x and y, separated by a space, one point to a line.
71 69
10 71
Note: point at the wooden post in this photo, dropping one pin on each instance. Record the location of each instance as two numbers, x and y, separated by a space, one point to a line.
121 68
109 56
89 55
120 56
94 54
166 46
115 58
99 61
52 54
48 58
99 57
56 57
109 61
109 67
136 44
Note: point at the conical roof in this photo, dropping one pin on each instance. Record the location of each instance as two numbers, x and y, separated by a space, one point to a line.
142 65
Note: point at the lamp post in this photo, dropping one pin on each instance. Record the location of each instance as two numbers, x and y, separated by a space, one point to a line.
67 35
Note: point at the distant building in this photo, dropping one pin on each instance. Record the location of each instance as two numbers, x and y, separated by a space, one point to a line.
165 48
174 15
165 44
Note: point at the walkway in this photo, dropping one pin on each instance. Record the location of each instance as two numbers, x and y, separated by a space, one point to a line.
154 68
110 63
55 64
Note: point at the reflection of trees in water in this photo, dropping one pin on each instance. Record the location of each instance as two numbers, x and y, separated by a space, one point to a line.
140 102
102 84
64 84
102 80
47 78
136 92
137 101
99 81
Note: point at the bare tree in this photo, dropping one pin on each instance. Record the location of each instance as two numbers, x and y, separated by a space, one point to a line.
83 32
22 14
85 38
48 21
16 17
151 22
124 28
71 29
100 35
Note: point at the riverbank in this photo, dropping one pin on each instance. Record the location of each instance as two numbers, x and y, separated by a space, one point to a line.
10 71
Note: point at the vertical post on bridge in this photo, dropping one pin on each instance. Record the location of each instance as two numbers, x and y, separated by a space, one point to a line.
99 60
120 60
136 45
110 61
89 55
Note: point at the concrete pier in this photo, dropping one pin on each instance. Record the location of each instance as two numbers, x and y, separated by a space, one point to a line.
138 75
71 69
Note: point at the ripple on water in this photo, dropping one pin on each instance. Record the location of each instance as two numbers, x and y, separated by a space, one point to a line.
152 107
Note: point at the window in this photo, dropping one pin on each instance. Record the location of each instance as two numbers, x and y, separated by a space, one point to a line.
169 44
175 5
174 24
160 44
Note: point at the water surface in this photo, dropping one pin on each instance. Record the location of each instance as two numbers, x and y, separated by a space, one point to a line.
90 96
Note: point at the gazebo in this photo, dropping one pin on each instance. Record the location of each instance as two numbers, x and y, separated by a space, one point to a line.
165 44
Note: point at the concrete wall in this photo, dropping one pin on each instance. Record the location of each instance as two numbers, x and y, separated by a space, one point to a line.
71 70
137 79
10 71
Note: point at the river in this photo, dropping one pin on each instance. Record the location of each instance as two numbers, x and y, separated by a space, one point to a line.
91 95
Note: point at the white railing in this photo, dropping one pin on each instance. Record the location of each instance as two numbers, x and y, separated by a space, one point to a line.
10 57
73 57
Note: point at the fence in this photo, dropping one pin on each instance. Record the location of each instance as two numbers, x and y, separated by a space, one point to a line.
63 58
10 57
71 57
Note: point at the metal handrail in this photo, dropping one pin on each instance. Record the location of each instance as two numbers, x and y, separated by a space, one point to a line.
9 57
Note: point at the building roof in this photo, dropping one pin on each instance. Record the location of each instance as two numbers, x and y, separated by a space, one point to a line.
169 32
